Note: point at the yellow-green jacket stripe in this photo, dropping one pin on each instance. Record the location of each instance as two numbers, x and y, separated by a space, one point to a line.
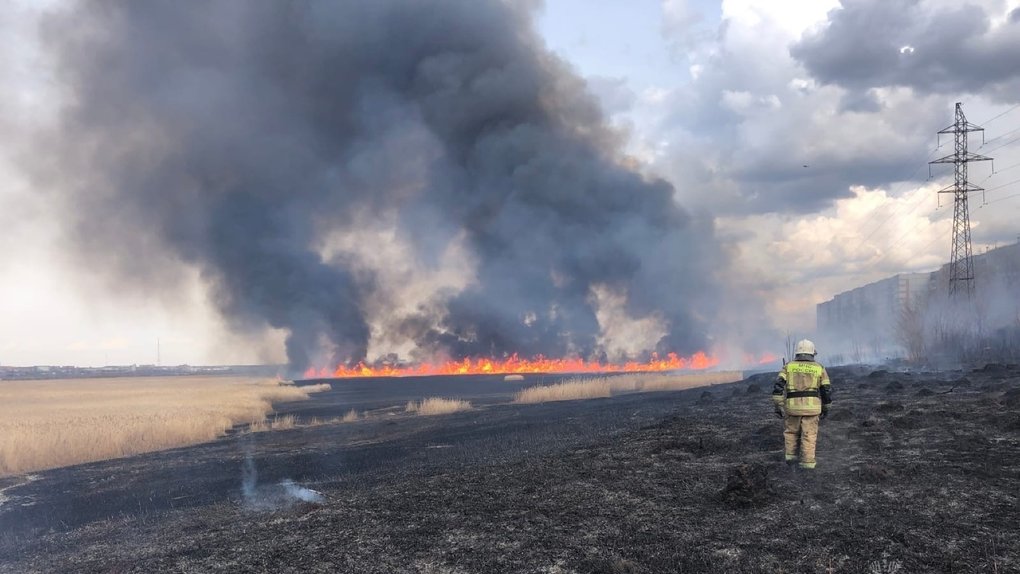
802 388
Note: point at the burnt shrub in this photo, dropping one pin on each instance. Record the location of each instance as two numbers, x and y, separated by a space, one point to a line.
908 422
706 397
753 389
621 566
708 444
872 473
746 485
667 445
841 415
1011 398
878 374
893 386
824 496
992 368
890 407
768 437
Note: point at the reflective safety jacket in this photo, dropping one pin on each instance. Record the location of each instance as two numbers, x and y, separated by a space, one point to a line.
802 388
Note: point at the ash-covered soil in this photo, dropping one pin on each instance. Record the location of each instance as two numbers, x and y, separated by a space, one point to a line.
916 473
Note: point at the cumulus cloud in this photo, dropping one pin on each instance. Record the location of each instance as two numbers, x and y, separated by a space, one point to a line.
929 45
810 124
756 133
683 24
797 261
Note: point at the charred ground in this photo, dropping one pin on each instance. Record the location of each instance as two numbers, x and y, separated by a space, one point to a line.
917 473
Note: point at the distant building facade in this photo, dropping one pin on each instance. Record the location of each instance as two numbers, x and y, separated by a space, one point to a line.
863 323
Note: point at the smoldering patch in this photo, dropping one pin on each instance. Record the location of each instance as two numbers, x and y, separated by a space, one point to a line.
272 496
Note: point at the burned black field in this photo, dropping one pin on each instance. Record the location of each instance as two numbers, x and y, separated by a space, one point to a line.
917 473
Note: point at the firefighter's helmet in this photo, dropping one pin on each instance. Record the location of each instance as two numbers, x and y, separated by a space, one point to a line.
805 347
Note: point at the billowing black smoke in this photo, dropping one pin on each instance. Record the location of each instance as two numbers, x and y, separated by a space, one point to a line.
234 136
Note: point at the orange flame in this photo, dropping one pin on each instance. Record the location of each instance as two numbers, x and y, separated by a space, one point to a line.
517 365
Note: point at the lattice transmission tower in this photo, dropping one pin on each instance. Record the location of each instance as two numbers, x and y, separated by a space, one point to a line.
961 263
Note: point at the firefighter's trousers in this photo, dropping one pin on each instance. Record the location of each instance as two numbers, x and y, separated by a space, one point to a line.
806 428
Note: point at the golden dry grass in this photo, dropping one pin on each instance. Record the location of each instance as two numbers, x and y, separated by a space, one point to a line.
600 387
47 424
688 380
259 425
283 423
627 383
437 406
350 417
319 421
573 389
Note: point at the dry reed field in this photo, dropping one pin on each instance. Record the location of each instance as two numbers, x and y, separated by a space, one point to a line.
437 406
662 382
586 388
601 387
47 424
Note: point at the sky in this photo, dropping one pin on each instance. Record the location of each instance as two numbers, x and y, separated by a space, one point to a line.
803 127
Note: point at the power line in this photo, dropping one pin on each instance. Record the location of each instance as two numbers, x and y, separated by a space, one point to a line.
895 243
1007 168
1009 143
908 232
916 204
1002 199
938 238
986 122
1003 186
998 171
998 137
935 240
897 211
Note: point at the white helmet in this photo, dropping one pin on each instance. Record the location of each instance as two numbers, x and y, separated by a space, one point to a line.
805 347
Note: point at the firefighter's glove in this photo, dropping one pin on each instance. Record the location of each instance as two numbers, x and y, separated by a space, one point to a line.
825 413
779 412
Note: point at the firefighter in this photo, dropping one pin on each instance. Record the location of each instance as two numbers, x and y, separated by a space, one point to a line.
802 394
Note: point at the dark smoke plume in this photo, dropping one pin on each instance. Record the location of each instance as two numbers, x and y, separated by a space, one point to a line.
234 136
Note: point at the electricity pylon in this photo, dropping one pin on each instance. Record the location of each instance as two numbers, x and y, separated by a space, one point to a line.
961 264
